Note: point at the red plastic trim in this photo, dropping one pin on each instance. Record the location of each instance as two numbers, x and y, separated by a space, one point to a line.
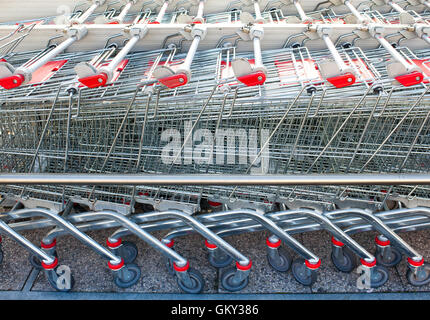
214 204
273 245
415 263
382 243
210 245
94 81
181 269
175 80
342 81
113 22
12 81
244 268
113 245
154 22
170 244
49 245
410 79
253 79
313 266
50 266
115 267
368 264
337 242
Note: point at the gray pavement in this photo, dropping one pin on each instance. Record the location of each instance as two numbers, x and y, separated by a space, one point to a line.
92 275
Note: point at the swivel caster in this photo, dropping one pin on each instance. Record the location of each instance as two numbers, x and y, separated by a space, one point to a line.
221 261
418 274
385 254
127 276
59 277
128 251
35 261
229 281
279 259
345 260
304 272
378 274
194 283
49 248
217 258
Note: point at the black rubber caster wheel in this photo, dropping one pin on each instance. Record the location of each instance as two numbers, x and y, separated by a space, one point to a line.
422 278
282 264
58 280
222 262
128 277
228 283
391 261
379 277
197 282
35 261
128 252
346 263
302 273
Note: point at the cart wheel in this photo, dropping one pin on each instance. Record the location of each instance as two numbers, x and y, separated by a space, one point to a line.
302 273
53 281
421 279
197 282
128 252
282 264
391 261
346 263
128 277
228 283
223 262
35 261
379 277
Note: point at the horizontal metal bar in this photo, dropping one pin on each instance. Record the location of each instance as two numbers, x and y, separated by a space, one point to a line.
212 179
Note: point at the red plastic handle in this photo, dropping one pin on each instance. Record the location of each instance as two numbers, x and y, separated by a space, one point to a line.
174 81
410 79
12 81
94 81
253 79
344 80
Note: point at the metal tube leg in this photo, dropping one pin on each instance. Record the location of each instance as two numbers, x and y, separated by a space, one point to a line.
199 17
162 12
301 12
258 16
354 11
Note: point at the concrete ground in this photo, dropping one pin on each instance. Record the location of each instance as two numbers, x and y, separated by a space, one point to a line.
91 272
